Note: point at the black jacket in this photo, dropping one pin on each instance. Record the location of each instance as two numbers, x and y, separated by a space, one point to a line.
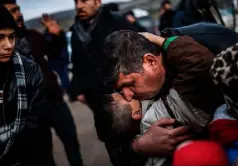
32 145
34 44
87 60
166 20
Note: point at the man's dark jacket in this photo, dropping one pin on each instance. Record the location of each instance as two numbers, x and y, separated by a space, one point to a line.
87 59
32 145
166 20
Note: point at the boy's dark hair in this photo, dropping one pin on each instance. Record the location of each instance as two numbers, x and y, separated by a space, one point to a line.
124 51
112 119
6 19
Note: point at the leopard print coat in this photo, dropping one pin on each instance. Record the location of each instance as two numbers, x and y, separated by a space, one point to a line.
224 71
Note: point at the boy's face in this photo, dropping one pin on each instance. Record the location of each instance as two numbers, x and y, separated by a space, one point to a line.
7 44
136 112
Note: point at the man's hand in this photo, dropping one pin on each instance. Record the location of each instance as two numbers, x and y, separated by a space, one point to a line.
51 24
159 140
158 40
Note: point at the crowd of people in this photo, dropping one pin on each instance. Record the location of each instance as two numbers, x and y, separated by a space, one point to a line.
157 100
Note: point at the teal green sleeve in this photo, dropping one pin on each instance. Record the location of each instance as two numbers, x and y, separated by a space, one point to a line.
168 41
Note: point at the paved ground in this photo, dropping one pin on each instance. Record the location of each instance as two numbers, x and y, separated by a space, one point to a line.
93 151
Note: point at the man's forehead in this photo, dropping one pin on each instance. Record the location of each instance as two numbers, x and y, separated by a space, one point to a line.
11 6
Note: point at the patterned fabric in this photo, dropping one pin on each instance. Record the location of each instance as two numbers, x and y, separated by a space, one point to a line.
224 71
8 131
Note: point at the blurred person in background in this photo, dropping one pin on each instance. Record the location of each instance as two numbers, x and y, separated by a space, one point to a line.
166 15
25 136
93 23
192 11
59 59
34 45
132 19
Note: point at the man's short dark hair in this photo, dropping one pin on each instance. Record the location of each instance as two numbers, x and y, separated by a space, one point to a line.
4 2
6 19
124 51
112 118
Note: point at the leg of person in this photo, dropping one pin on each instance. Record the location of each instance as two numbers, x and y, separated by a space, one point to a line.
64 77
63 123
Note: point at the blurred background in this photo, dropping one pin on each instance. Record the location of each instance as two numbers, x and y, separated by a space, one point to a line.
63 10
146 12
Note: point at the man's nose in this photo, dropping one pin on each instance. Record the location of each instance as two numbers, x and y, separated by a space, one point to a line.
128 94
19 14
79 4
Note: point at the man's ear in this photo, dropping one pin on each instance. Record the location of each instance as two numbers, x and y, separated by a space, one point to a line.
150 60
136 115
